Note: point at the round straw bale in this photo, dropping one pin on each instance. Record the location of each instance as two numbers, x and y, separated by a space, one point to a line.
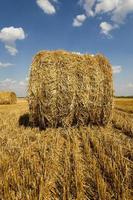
7 97
68 89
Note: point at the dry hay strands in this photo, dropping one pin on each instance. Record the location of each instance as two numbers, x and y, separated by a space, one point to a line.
67 89
7 98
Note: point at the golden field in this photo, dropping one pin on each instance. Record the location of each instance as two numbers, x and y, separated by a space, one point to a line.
124 104
66 164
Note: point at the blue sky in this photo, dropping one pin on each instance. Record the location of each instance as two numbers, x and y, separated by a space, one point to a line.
86 26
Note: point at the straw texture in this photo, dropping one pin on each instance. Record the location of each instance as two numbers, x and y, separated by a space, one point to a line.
67 89
7 98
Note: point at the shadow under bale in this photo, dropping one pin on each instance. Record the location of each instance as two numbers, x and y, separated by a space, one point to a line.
24 120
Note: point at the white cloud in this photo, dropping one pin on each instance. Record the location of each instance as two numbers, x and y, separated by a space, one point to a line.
27 78
11 49
4 65
22 83
7 83
117 69
130 85
9 35
106 28
122 10
119 9
19 87
47 6
79 20
116 10
106 6
78 53
88 6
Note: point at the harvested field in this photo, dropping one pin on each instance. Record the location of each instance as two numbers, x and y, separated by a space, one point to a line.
123 121
75 163
124 104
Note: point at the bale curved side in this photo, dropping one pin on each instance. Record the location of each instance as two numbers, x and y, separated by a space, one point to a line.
107 84
7 98
67 89
13 98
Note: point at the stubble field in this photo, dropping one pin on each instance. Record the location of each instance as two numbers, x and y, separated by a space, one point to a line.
58 164
125 104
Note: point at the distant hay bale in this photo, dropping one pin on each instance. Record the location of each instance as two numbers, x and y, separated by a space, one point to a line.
7 98
67 89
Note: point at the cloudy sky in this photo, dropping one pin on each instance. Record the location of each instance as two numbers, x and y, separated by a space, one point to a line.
86 26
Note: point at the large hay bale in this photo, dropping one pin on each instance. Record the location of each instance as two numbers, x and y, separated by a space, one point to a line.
66 89
7 98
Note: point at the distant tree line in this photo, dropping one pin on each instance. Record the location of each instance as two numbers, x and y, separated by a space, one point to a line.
123 96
